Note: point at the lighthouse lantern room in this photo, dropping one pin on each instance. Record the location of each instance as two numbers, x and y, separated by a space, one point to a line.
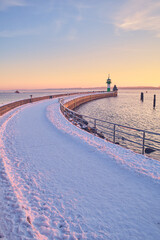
108 83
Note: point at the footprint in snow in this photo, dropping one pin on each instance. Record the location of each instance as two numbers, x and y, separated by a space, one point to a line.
1 235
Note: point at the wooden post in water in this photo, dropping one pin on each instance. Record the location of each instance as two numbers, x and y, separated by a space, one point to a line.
142 96
154 101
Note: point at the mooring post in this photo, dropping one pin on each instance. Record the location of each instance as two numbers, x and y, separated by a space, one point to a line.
114 133
142 96
143 143
154 101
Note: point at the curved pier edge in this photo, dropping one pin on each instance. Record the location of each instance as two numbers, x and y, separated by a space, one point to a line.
76 102
68 106
7 107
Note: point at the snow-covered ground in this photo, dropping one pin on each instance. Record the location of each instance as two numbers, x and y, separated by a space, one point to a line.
60 182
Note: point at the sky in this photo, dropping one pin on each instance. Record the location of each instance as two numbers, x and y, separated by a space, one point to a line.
77 43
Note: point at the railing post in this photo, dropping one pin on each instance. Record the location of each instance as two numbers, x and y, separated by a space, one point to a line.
143 142
74 117
114 133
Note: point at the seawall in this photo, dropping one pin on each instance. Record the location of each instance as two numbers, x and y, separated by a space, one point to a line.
81 100
10 106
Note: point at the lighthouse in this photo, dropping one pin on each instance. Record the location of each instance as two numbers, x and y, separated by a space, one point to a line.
108 83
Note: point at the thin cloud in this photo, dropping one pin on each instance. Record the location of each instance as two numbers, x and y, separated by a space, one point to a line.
59 24
140 15
72 35
81 7
4 4
17 33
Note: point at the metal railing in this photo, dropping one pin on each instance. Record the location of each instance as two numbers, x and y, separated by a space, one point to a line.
141 141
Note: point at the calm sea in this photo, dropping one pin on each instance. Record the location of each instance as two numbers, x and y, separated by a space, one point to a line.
127 109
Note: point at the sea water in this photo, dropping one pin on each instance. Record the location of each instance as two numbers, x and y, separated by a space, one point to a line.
127 109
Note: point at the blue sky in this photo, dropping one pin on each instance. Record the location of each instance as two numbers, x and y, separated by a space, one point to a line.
71 43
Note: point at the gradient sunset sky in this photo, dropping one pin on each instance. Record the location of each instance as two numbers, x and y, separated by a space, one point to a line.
76 43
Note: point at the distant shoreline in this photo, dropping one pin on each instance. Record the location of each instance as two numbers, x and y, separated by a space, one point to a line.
141 87
80 88
136 88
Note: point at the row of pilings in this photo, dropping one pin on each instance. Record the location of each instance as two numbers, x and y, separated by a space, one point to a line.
154 99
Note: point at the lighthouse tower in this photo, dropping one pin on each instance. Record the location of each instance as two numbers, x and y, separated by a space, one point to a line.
108 83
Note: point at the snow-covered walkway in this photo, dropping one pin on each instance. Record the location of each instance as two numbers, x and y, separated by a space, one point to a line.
59 182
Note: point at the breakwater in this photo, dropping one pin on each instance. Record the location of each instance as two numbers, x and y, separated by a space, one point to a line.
7 107
10 106
76 102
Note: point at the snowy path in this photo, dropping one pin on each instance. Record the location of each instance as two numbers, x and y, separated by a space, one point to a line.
59 182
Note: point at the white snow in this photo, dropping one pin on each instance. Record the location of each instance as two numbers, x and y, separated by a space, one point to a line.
60 182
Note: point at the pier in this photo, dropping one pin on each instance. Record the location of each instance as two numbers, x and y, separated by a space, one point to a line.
60 182
141 141
7 107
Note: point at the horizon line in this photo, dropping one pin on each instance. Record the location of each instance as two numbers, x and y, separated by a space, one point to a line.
65 88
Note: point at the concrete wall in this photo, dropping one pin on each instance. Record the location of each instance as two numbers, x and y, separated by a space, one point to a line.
81 100
10 106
